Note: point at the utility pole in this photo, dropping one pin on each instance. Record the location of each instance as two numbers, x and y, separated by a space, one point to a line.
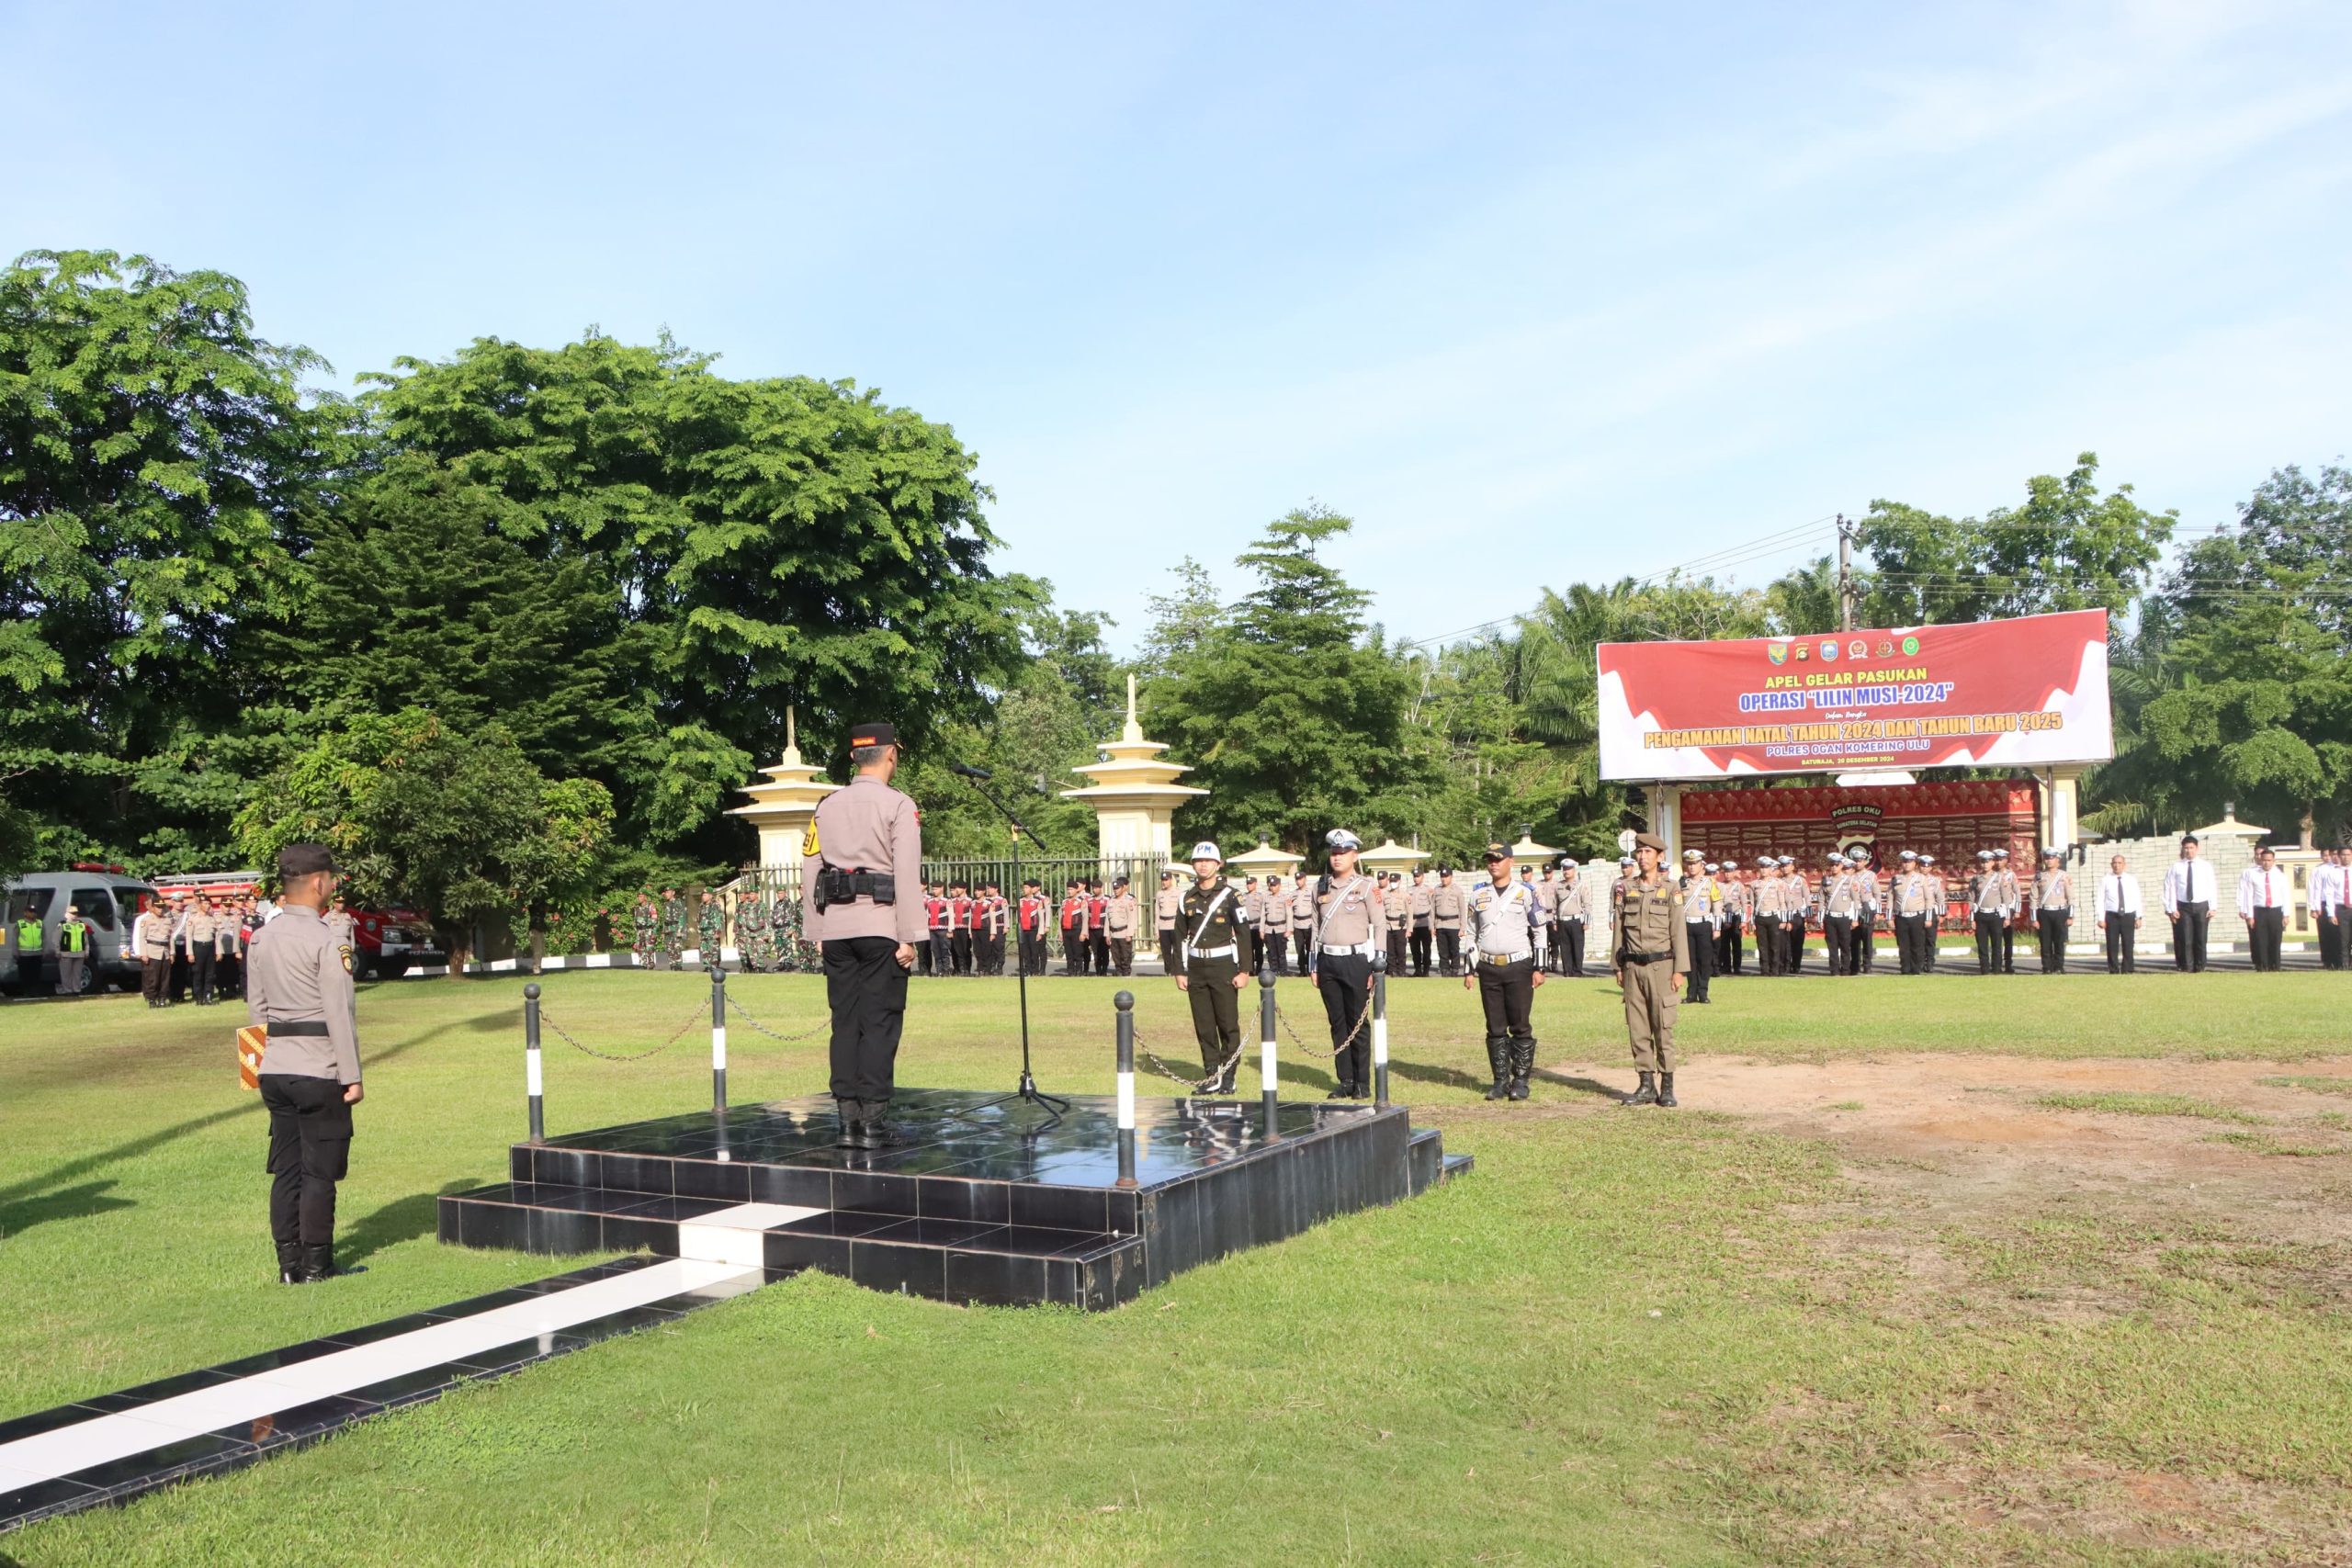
1845 574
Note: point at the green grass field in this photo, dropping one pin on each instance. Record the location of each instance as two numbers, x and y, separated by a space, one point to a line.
1631 1337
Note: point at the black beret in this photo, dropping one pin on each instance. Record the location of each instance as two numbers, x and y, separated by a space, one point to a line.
305 860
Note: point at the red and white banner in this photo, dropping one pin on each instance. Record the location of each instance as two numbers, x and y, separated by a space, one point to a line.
1995 693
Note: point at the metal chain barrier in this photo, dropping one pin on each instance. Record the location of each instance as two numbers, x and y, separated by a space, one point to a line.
1363 1018
700 1015
736 1009
1199 1084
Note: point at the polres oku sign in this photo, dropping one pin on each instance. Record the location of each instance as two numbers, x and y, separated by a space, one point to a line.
2031 691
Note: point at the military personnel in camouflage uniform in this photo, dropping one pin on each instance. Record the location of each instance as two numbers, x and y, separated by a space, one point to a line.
710 928
645 921
672 934
751 925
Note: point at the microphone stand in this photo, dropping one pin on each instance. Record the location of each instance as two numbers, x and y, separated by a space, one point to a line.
1054 1106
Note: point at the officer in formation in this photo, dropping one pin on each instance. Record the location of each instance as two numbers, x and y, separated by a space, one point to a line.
2119 917
2190 892
751 926
1867 878
1302 923
1699 909
672 952
1349 926
1446 911
1271 930
1914 945
151 933
1121 918
2262 905
2330 894
1731 925
2054 908
1569 919
1504 916
70 947
1989 910
299 988
1254 921
1772 947
1652 955
863 847
1167 909
1421 908
1208 970
710 928
1033 917
645 921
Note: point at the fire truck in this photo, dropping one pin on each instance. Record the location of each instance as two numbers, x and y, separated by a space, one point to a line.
386 943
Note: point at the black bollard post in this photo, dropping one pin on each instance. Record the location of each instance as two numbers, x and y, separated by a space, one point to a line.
1125 1002
1266 1078
532 1084
717 1037
1379 1027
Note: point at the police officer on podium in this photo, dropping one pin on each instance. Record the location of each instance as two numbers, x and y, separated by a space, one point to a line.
298 986
863 848
1210 932
1349 926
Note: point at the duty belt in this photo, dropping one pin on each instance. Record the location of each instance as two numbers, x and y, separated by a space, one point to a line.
1647 957
1501 958
1360 947
1227 950
298 1026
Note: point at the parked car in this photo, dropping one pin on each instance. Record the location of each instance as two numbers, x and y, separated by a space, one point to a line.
109 899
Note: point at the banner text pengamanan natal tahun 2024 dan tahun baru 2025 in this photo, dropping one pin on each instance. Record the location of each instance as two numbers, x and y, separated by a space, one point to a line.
2030 691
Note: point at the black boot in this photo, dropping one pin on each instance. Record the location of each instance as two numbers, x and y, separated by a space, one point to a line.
1522 1062
1666 1090
290 1262
1499 1060
1645 1095
879 1134
853 1132
318 1262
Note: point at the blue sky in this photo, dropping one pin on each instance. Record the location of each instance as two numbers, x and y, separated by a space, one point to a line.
1537 295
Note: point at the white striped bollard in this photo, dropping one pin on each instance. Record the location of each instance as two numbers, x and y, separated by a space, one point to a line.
718 1038
533 1085
1125 1002
1380 1030
1266 1045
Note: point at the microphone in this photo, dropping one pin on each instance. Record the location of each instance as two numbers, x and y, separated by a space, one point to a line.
968 771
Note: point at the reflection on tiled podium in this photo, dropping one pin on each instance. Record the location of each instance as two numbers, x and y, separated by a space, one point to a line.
988 1199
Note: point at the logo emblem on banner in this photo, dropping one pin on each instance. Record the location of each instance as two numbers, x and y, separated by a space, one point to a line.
1887 648
1829 649
1777 652
1910 645
1859 648
1804 651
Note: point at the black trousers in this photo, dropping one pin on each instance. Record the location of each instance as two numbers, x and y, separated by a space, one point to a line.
1398 951
1795 933
1910 941
1073 951
1217 1009
2269 925
1256 939
1837 943
2122 934
1099 945
1275 947
1033 952
1770 949
1123 955
153 976
2331 941
2009 948
1420 950
939 953
959 951
1345 981
2051 924
1988 943
1727 946
1865 948
200 974
310 1151
2189 928
867 993
1507 995
1701 939
1449 952
1568 948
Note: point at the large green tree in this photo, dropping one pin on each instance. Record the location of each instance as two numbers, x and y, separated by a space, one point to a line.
780 541
159 467
459 826
1291 709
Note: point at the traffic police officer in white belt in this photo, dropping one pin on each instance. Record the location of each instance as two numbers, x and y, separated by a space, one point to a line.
1209 918
1504 917
1349 926
298 986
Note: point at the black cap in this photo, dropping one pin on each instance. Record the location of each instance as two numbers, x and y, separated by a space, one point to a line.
305 860
862 736
1497 852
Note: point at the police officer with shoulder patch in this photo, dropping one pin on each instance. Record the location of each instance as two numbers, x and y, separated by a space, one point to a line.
1653 955
299 988
1349 925
863 847
1209 969
1503 920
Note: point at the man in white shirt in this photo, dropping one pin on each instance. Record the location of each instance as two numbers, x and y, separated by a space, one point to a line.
2262 904
2119 917
2190 893
2329 893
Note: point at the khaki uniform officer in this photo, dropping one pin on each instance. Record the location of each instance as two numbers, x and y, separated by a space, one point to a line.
199 943
859 865
1208 968
298 986
1167 909
1349 925
1653 955
1120 917
1445 915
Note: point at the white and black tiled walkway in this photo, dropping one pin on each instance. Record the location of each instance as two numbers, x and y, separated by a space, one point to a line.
114 1446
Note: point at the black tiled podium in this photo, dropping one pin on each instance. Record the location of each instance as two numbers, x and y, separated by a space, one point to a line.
987 1200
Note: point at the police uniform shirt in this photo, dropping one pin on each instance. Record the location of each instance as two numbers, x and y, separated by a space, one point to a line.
865 826
1217 936
1445 907
1302 907
1419 901
1649 920
297 973
1504 920
1166 906
2054 890
1119 917
1349 912
1698 898
1843 898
